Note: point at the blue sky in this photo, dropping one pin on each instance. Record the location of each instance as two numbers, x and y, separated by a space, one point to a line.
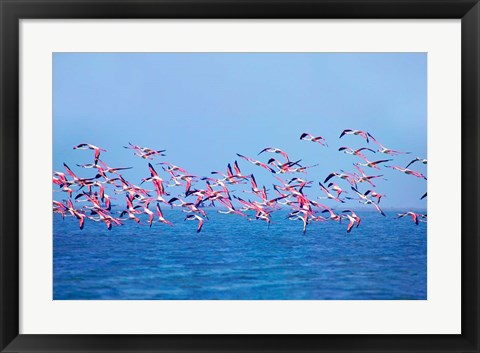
203 108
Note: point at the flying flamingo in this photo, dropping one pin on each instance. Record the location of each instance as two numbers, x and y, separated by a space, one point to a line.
230 208
365 178
374 164
258 163
355 132
255 188
108 205
131 210
106 169
148 212
89 198
63 183
375 194
261 212
309 137
301 169
76 179
230 177
130 216
290 188
333 216
76 213
61 180
103 169
81 217
302 183
173 168
238 173
415 216
418 159
144 152
357 152
156 180
385 150
160 216
275 150
283 167
131 189
354 216
101 188
302 216
59 208
194 217
264 216
87 146
351 222
350 178
336 188
186 178
329 195
106 218
408 171
188 207
365 200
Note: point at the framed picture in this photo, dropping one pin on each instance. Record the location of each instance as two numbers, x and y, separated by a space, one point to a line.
236 176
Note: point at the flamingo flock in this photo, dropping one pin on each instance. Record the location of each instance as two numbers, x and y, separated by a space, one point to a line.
231 191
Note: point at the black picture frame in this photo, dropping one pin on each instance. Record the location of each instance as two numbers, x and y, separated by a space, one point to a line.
13 10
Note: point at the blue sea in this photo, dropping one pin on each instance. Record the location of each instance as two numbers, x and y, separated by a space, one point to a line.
236 259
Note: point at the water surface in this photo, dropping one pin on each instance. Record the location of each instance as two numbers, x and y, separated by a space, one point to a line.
233 258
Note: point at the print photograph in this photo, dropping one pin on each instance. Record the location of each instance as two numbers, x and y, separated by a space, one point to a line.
240 176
